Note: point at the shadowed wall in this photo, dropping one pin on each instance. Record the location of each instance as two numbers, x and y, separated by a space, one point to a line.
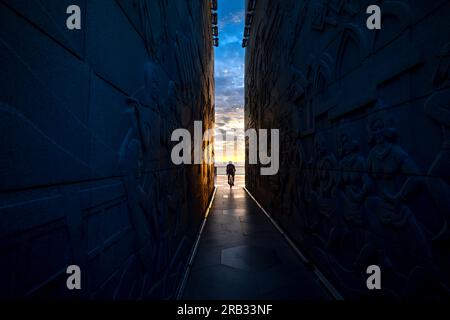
85 124
363 119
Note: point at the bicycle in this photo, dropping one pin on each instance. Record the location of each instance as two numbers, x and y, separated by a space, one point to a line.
231 180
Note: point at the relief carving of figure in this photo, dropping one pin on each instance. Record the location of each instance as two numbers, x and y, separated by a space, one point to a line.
287 93
352 177
386 163
352 233
437 107
286 195
395 179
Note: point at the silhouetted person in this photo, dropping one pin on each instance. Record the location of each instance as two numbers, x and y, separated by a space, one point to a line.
231 171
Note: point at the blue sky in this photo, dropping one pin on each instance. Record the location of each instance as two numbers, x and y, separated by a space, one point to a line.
229 74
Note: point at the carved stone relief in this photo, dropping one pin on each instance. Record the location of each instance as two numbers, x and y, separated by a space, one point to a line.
354 190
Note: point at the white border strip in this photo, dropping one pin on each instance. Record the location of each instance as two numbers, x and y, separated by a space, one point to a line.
331 289
180 291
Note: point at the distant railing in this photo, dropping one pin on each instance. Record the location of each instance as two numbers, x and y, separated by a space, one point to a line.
222 169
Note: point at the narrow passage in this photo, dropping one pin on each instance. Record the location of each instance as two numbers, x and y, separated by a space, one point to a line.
241 255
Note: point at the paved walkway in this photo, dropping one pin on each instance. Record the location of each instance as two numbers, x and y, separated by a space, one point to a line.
242 256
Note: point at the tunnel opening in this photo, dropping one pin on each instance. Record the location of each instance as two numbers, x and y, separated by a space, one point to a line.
229 143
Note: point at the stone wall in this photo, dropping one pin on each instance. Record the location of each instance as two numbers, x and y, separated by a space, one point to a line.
364 126
85 124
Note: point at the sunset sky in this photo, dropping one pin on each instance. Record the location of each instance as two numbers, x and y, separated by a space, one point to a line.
229 75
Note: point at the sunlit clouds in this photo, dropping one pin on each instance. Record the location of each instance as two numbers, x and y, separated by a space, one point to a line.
229 77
